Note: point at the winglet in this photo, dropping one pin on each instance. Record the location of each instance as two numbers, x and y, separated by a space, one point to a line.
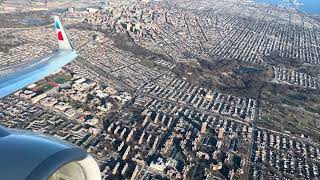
63 41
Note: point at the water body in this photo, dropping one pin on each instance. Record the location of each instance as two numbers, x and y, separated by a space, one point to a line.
307 6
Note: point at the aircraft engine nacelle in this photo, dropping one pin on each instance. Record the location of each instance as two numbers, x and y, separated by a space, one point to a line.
30 156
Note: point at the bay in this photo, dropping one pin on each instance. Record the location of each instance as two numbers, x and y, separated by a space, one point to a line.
307 6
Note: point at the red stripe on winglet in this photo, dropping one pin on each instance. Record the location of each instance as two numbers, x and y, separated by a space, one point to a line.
60 37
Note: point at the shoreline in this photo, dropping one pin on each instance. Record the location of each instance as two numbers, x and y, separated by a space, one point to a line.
300 10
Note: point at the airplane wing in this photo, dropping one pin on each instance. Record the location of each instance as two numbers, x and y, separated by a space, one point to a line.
18 76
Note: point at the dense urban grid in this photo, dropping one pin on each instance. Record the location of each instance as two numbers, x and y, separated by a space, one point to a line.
176 89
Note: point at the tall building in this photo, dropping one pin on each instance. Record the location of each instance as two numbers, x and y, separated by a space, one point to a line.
141 138
115 169
204 127
130 135
135 172
124 169
220 133
125 155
